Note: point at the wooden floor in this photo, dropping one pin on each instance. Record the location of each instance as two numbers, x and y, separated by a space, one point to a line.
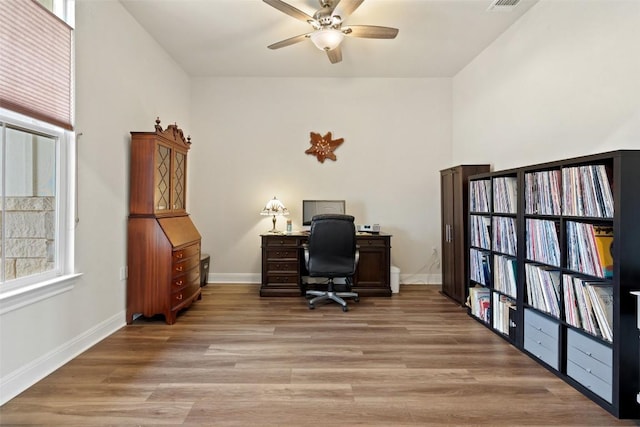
235 359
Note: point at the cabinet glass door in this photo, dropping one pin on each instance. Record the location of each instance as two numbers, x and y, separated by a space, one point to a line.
179 175
162 179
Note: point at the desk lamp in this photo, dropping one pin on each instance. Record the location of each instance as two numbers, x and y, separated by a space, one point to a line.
274 207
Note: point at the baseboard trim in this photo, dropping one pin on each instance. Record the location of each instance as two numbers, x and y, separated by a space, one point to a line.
21 379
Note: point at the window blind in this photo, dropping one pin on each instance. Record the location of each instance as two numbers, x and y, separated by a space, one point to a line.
35 63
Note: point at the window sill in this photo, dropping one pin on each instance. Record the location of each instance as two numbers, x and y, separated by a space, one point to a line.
30 294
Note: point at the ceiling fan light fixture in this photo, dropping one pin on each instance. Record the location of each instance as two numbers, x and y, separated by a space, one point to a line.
327 38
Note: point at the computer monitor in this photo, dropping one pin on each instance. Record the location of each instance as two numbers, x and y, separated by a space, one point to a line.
310 208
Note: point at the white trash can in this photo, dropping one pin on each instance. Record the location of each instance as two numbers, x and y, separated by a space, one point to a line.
395 279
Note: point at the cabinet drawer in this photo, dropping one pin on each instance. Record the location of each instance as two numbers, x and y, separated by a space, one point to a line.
184 265
590 363
281 241
291 253
541 337
181 296
278 266
548 356
591 348
190 277
541 323
189 251
589 380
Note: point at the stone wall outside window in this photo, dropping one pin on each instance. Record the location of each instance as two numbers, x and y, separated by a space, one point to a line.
30 235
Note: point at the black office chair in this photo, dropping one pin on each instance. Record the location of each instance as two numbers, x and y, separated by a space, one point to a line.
332 253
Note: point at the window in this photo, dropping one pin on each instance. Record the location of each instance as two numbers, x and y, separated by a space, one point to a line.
35 211
37 150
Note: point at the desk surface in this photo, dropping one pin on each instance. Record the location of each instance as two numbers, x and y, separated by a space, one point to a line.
304 233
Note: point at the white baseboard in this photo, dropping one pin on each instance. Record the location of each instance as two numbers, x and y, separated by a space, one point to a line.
21 379
234 278
420 279
251 278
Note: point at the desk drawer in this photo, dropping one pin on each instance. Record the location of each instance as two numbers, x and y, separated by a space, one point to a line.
282 278
364 242
281 266
282 253
282 241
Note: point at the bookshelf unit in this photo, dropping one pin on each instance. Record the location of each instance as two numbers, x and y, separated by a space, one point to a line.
554 253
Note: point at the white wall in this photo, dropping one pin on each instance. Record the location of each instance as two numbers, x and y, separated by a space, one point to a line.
249 140
124 80
563 81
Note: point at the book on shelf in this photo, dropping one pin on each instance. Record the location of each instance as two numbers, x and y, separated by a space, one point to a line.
480 269
505 197
589 249
502 305
589 306
542 241
602 301
543 288
542 194
504 274
480 231
604 245
479 191
587 191
505 238
480 303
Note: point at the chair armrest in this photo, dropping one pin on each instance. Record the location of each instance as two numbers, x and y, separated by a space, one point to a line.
305 246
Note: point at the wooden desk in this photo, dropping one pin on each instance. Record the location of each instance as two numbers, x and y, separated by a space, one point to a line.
283 265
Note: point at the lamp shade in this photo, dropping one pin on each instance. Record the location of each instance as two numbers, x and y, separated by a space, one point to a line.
274 207
327 38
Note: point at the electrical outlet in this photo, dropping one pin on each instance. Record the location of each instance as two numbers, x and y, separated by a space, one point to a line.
124 272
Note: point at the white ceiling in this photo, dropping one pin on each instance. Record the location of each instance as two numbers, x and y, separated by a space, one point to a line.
437 38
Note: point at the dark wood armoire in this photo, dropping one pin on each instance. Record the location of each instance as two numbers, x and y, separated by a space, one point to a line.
163 244
454 193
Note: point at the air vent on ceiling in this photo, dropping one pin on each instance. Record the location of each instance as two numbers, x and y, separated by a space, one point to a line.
503 5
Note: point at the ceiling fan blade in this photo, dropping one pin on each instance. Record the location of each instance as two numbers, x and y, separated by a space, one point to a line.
371 32
335 55
289 10
346 7
289 41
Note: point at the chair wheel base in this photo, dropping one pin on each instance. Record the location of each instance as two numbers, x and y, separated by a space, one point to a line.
345 308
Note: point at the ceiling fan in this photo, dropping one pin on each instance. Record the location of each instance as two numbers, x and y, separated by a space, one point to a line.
328 31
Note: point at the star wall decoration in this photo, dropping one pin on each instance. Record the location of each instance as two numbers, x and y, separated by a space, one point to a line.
322 146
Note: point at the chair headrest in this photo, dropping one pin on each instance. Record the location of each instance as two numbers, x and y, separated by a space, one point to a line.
341 217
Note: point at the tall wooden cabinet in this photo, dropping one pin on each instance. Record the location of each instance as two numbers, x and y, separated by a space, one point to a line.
163 244
455 206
